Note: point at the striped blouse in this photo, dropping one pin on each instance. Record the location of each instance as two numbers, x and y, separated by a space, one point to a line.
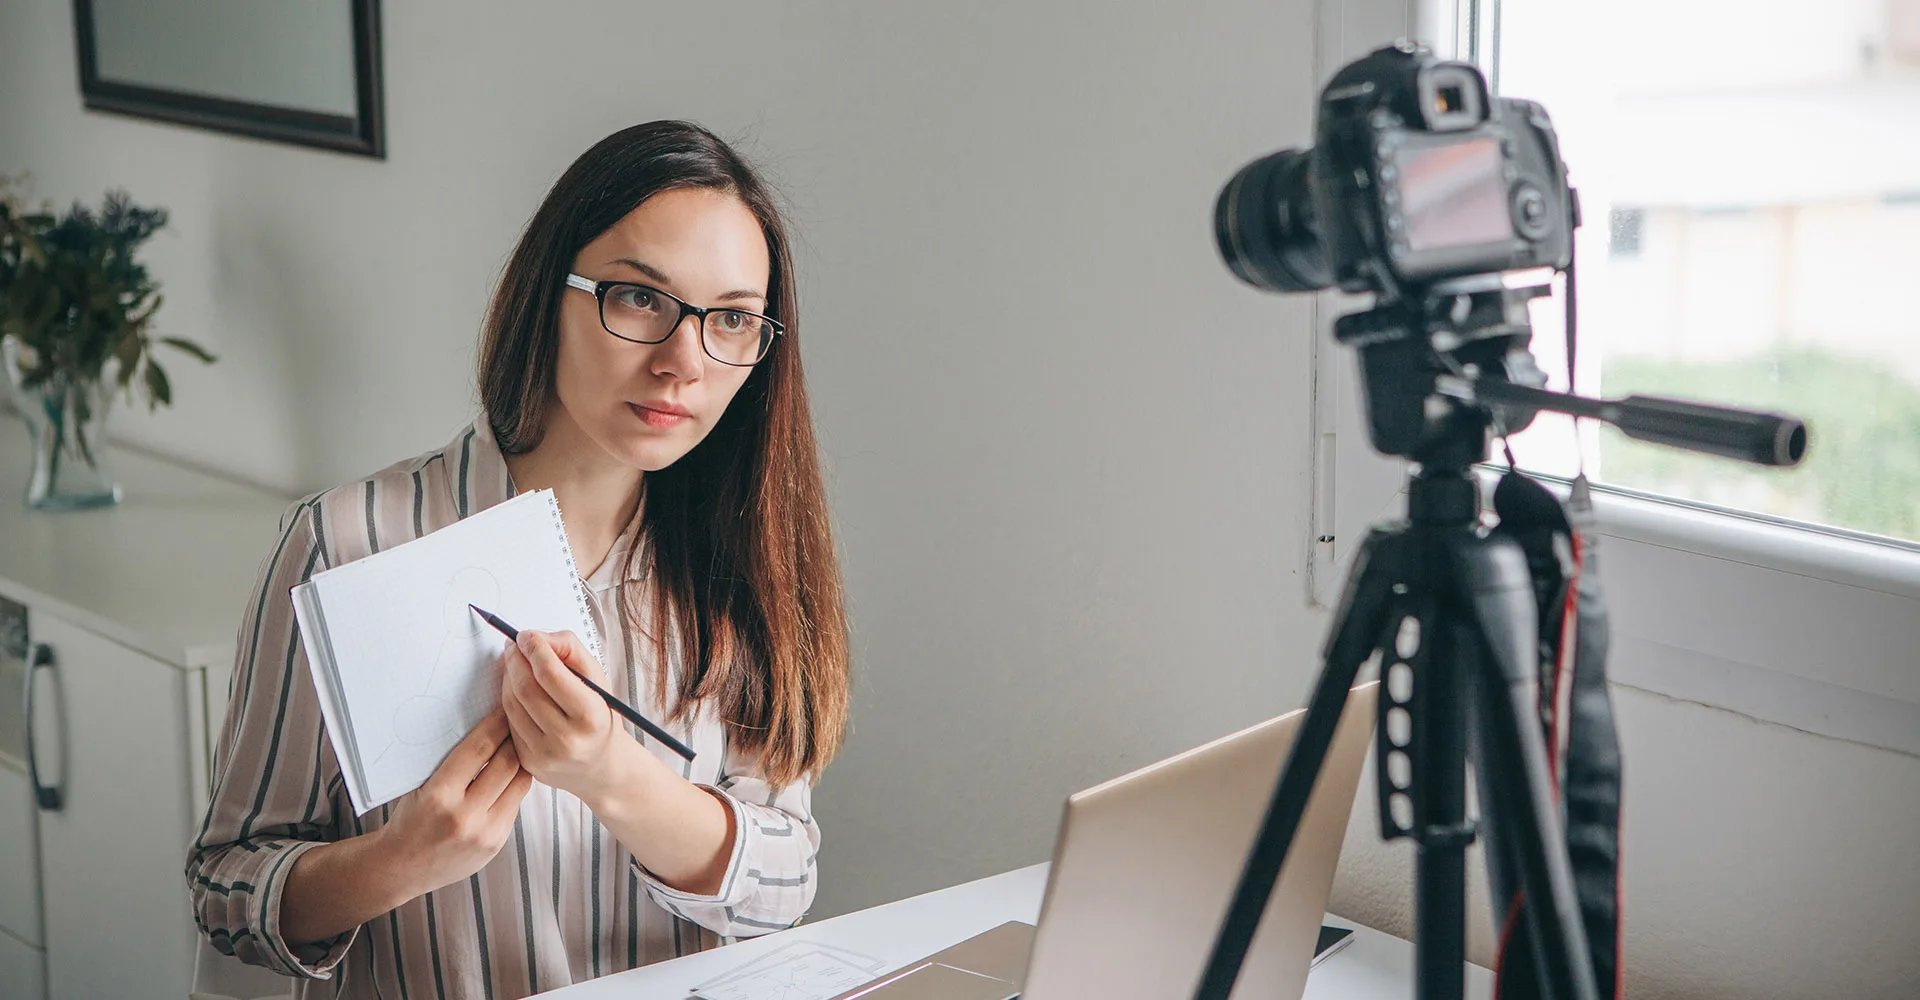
563 901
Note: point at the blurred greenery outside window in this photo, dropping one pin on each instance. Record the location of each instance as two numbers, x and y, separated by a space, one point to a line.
1750 183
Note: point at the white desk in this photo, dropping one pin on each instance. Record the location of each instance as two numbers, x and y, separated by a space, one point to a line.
1375 966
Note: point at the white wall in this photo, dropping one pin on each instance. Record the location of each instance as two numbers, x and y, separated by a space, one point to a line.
1072 519
1073 528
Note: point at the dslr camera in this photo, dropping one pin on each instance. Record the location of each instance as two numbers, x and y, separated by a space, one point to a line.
1417 177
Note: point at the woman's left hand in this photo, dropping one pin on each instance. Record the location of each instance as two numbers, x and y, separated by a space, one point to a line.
564 733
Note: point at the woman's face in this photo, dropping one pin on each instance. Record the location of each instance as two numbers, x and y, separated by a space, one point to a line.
702 245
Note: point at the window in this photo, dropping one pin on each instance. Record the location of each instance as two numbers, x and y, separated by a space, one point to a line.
1623 233
1750 181
1808 626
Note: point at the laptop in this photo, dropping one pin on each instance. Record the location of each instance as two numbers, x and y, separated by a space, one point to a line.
1143 868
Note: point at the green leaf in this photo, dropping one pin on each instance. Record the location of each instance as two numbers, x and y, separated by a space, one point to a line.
129 357
140 305
40 327
190 347
160 391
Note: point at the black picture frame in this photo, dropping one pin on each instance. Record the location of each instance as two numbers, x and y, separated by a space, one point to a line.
362 134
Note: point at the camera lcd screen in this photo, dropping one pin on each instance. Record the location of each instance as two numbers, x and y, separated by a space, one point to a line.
1453 195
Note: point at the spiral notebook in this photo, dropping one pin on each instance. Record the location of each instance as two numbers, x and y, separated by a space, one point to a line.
404 669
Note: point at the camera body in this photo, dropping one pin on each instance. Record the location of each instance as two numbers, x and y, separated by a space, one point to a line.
1417 176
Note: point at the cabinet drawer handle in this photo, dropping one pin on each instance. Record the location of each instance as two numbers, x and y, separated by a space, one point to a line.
50 797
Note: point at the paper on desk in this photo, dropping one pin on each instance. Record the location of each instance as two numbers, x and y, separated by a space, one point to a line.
799 971
785 952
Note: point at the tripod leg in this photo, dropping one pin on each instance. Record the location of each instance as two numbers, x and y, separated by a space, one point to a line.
1524 840
1440 796
1356 626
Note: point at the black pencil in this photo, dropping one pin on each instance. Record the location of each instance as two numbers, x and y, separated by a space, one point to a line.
612 702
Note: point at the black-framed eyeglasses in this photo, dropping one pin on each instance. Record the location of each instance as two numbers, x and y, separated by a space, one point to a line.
644 314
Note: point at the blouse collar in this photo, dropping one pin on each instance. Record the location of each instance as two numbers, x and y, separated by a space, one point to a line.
478 478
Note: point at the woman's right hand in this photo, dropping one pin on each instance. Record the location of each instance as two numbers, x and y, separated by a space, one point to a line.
450 827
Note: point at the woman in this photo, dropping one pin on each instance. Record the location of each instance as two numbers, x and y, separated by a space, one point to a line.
641 359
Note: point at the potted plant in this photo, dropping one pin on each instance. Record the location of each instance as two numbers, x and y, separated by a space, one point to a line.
76 308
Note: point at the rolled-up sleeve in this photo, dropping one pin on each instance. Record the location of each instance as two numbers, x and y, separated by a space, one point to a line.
274 775
770 880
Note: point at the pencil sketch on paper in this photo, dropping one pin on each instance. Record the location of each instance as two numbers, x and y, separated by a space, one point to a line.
431 715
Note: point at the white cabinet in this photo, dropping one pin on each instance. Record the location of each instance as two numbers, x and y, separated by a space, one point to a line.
19 852
23 951
134 609
113 852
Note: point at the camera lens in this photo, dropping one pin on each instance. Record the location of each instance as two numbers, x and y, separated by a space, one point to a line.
1264 225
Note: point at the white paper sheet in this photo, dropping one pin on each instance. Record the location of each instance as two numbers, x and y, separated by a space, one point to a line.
800 971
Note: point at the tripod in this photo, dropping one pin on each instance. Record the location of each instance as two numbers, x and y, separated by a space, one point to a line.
1451 609
1469 654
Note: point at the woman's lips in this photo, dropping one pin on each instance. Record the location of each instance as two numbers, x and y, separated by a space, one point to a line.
655 418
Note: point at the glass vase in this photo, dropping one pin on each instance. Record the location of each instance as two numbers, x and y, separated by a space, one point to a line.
66 417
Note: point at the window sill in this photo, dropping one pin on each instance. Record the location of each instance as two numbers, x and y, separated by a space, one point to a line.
1836 556
1801 627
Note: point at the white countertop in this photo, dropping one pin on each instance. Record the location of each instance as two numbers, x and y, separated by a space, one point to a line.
167 571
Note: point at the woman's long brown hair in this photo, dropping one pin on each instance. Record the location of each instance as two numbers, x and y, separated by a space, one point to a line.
742 555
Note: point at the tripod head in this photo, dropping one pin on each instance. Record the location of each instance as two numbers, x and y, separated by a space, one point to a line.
1446 367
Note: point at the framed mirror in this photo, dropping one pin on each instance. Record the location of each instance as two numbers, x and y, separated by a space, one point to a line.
298 71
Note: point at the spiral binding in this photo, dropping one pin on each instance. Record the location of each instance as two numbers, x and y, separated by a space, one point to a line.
573 574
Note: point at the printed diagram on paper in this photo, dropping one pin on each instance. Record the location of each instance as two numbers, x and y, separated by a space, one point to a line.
800 971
